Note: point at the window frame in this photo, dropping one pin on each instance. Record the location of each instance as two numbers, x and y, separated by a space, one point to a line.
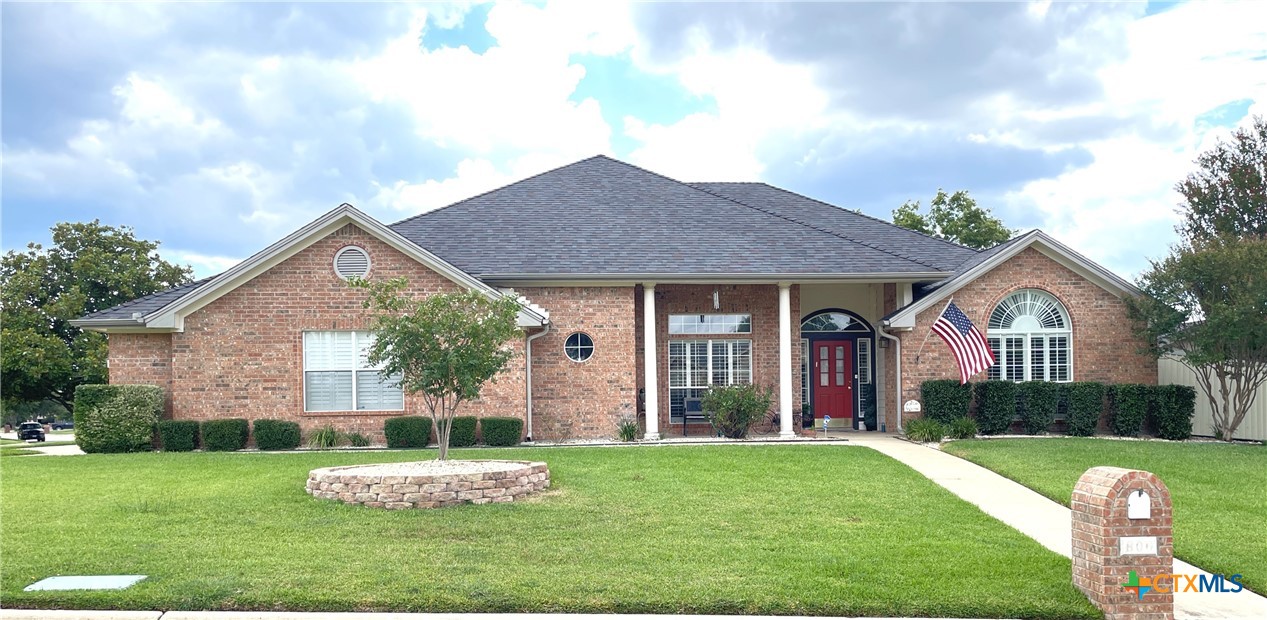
678 324
354 370
997 339
579 347
709 371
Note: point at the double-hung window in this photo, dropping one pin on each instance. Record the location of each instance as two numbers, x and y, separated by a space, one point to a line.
339 377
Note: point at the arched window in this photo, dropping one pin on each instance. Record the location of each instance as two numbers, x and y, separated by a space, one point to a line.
1030 334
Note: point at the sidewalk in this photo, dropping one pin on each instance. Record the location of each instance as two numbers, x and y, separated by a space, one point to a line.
1043 520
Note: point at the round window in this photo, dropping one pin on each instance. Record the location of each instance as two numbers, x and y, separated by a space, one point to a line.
579 347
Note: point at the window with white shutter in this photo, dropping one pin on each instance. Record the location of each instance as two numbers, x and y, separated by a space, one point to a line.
339 377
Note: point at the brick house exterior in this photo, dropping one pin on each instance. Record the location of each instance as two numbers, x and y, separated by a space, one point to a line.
826 307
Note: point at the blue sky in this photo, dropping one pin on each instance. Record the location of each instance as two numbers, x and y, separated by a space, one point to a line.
219 128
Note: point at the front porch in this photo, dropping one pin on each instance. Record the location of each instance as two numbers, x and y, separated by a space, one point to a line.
814 344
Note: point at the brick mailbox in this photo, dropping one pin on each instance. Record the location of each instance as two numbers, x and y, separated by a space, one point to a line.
1122 542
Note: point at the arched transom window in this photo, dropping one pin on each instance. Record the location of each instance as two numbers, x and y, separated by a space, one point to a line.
1030 334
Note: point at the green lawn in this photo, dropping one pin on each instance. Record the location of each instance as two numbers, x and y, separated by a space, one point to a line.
822 530
1219 491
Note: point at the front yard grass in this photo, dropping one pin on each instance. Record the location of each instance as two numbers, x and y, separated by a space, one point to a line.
1218 491
816 530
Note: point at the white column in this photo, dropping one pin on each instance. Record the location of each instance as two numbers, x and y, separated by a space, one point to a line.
650 381
785 361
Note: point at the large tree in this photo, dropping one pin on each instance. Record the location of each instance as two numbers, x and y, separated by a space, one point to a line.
89 267
1206 303
1227 195
954 217
444 346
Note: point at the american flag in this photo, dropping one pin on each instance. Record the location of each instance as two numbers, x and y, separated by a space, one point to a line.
971 350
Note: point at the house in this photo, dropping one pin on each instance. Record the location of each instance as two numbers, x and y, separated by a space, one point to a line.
722 282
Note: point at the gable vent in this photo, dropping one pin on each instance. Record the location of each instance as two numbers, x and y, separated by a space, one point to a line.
352 261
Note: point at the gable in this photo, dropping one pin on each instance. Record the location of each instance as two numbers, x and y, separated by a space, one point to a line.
1057 260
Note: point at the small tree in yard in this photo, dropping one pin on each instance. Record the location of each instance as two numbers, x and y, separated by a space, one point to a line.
444 346
1208 300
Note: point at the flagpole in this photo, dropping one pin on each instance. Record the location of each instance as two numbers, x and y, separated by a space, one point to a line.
930 329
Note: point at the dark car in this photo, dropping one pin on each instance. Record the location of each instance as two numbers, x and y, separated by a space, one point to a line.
63 425
30 430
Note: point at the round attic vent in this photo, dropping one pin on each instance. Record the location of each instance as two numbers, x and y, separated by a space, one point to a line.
351 261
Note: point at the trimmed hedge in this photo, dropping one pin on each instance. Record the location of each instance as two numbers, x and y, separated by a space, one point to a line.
1172 410
276 434
1128 406
1037 403
225 435
945 399
502 431
1086 403
462 433
117 418
996 406
410 431
178 435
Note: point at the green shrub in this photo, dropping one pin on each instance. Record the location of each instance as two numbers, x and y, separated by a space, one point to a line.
225 435
117 418
178 435
732 409
357 440
868 400
1037 403
1086 404
324 438
945 399
962 428
462 433
627 429
1128 406
925 430
276 435
996 406
410 431
1172 410
502 431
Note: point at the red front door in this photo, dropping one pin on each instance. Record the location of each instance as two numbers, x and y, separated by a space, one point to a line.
833 380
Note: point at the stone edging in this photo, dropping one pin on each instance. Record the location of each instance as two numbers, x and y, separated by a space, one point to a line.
358 484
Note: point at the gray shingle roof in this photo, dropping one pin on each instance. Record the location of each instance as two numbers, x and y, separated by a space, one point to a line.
845 223
147 304
602 216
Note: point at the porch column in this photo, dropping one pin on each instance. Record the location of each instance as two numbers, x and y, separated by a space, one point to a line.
650 381
785 361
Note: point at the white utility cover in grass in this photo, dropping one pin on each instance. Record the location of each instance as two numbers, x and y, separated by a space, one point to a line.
85 582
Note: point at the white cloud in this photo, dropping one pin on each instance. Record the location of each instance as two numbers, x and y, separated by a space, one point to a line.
204 265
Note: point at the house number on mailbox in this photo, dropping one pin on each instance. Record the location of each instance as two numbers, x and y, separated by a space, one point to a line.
1138 506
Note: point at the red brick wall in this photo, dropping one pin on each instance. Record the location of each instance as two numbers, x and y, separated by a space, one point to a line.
143 359
759 300
241 356
584 400
1103 346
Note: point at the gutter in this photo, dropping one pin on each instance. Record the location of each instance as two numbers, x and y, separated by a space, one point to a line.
528 378
897 388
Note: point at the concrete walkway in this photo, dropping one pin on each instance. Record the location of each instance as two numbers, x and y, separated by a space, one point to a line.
1043 520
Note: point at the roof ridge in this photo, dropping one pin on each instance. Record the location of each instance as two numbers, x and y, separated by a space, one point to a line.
870 217
501 187
778 215
833 233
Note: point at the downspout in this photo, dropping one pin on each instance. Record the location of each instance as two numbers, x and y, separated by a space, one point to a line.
528 377
897 388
